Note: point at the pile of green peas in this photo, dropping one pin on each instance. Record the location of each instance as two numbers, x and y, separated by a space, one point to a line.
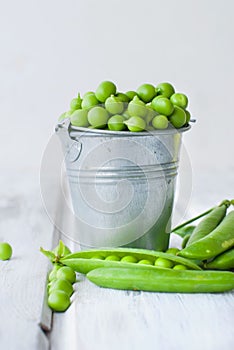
60 287
60 279
148 108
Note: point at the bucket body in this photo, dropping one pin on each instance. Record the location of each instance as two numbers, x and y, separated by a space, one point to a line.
122 185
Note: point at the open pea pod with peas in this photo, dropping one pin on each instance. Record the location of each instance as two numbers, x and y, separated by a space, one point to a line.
85 261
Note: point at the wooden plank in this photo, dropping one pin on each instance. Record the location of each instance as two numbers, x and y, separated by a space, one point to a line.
25 225
108 319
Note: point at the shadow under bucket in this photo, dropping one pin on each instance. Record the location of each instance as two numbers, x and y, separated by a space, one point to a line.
122 185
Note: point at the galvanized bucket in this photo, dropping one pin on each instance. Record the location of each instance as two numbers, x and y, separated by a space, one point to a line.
122 185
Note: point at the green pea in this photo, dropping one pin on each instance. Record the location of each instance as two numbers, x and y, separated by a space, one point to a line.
112 258
59 301
61 284
97 256
145 262
113 105
137 108
179 267
75 103
98 116
135 124
80 118
179 100
173 251
129 258
165 89
105 90
116 123
67 273
5 251
122 97
163 106
178 117
53 272
131 94
163 263
160 122
88 93
89 101
52 275
146 92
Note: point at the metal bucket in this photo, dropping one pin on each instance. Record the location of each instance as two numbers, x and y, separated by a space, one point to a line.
122 185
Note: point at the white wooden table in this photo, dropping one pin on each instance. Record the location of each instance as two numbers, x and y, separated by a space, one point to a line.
98 318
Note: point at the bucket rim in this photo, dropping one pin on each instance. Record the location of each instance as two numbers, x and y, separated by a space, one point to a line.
168 131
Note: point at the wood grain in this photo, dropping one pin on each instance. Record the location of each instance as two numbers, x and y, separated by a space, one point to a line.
98 318
24 224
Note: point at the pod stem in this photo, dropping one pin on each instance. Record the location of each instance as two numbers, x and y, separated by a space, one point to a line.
226 202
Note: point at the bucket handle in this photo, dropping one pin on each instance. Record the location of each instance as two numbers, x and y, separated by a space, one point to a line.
72 148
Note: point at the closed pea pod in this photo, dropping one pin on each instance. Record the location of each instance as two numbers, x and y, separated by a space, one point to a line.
216 242
163 280
224 261
208 224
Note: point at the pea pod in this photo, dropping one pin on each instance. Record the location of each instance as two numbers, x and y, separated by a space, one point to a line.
224 261
184 231
216 242
208 224
85 261
163 280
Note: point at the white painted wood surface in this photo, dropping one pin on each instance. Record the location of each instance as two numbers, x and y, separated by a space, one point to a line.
106 319
98 318
109 319
24 224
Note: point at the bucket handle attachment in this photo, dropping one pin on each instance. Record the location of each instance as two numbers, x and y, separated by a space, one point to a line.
72 148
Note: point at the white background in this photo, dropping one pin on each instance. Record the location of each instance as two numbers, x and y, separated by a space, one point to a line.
50 50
